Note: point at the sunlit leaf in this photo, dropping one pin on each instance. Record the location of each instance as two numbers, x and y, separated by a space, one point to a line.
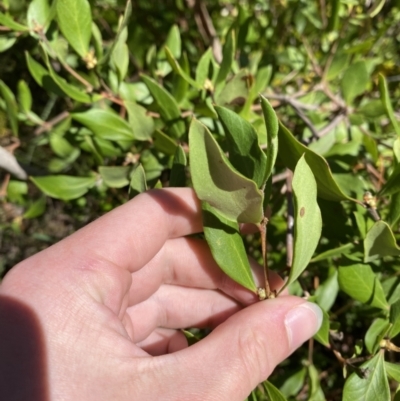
226 245
64 187
75 21
39 16
375 333
394 319
322 336
387 104
273 393
164 143
371 384
105 124
137 183
24 96
228 54
392 185
142 124
7 21
235 91
115 176
36 209
203 67
295 382
216 181
393 370
315 390
362 284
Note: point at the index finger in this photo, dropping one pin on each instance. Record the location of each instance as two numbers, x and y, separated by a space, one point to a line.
130 235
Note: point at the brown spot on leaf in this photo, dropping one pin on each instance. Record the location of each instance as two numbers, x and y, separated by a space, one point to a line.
302 211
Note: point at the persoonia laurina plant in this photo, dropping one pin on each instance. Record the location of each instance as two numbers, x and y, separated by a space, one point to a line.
201 117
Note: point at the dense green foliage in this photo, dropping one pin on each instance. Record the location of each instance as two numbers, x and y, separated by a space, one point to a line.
101 100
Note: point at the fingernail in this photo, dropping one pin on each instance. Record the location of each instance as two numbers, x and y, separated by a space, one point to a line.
302 322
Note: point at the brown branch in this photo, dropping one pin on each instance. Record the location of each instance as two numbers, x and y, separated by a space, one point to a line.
48 125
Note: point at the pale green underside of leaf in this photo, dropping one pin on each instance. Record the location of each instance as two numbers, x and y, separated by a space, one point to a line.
379 242
373 387
362 284
115 176
63 186
75 22
307 219
227 246
216 181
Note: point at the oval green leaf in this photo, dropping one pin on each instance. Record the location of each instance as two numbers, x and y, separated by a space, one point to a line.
355 81
11 106
137 183
387 104
115 176
371 385
75 21
244 150
64 187
216 181
361 283
227 246
105 124
39 15
307 219
273 393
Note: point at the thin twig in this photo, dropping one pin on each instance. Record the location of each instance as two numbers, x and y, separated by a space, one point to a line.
48 125
263 232
328 128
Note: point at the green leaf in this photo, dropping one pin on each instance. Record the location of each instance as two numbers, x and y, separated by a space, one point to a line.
290 151
228 55
375 333
105 124
203 67
379 242
335 252
178 171
120 56
227 246
216 182
235 91
272 126
178 69
392 185
322 336
42 76
355 81
315 392
138 183
307 219
115 176
292 386
142 125
75 21
273 393
393 370
394 210
39 16
371 385
167 105
387 104
164 143
36 209
362 284
173 43
24 96
7 21
326 293
11 106
64 187
123 23
245 153
394 319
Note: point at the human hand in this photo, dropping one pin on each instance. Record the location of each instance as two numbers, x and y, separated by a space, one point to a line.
97 316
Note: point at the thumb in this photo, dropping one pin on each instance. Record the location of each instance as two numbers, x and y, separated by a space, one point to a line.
244 350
